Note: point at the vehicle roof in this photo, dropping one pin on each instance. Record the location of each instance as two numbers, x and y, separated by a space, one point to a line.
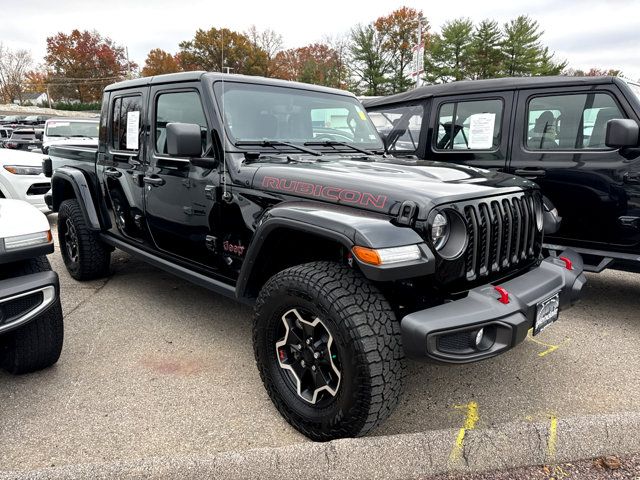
215 76
480 86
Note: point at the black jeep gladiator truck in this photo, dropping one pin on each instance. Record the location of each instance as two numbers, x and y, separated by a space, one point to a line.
575 137
278 194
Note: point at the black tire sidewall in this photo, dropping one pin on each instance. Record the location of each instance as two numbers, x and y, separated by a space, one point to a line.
73 267
349 398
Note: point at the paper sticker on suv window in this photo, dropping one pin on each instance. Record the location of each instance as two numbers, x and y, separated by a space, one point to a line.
481 127
133 127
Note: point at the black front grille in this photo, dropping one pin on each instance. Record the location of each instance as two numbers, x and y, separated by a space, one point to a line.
16 308
502 234
38 189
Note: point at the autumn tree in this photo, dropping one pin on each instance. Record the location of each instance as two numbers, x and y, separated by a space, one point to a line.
208 48
447 57
81 64
36 81
269 42
399 33
593 72
159 62
485 53
370 60
316 63
14 66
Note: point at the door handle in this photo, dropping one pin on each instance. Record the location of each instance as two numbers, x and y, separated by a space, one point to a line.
530 172
633 178
113 173
153 181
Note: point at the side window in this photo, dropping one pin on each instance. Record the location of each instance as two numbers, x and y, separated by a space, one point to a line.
125 127
473 125
401 125
179 107
570 122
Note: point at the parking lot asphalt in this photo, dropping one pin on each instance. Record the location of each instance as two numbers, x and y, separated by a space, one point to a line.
154 366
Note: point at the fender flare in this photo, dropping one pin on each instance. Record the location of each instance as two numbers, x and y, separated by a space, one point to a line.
75 177
344 225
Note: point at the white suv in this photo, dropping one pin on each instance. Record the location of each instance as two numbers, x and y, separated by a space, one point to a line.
31 325
21 177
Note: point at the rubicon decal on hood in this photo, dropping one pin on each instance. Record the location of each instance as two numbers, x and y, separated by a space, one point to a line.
326 192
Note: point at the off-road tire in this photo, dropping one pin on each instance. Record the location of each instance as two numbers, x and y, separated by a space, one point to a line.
93 256
368 340
37 344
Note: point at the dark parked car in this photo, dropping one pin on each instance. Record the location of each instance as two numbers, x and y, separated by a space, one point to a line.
24 139
576 137
12 120
35 120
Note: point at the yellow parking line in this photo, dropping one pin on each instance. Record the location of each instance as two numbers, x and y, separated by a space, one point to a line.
550 347
553 438
469 424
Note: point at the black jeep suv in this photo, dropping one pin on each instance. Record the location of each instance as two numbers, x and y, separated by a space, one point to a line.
576 137
278 194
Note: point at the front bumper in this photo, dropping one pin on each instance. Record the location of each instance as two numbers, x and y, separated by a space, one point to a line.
30 188
23 298
446 333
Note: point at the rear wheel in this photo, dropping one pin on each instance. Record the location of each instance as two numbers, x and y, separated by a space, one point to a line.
328 349
84 254
37 344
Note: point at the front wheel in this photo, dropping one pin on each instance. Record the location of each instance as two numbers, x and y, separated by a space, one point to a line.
329 351
84 254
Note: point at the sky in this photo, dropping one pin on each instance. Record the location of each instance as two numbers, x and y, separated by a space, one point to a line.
586 33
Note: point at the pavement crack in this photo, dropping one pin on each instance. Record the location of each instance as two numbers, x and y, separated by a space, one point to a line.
82 302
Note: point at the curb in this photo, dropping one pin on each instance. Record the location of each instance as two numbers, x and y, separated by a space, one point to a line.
404 456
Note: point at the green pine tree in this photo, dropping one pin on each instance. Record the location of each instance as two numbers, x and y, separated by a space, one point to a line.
369 60
447 54
486 56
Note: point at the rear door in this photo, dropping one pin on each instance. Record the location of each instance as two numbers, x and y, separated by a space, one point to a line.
121 163
560 144
471 129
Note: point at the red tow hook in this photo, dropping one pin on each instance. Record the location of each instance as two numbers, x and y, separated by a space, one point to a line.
504 295
567 263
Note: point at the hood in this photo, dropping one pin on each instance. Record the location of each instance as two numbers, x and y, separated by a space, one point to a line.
382 186
18 217
18 157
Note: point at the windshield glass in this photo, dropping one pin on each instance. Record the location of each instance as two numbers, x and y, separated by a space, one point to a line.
635 88
72 129
262 112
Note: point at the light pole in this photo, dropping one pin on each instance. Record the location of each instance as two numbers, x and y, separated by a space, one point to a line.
419 60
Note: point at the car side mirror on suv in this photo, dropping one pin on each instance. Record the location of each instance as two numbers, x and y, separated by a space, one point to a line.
39 136
622 133
184 140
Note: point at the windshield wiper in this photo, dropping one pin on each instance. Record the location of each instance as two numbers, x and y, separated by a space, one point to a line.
333 143
273 143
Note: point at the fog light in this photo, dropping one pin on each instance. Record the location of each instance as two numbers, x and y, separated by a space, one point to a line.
484 338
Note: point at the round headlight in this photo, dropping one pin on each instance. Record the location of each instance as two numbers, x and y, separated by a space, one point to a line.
439 231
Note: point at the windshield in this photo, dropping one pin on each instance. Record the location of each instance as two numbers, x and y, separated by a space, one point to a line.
72 129
260 112
635 88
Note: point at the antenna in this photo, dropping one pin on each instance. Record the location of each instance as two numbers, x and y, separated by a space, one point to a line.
226 195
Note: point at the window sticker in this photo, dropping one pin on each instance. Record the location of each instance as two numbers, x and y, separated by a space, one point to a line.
133 128
481 127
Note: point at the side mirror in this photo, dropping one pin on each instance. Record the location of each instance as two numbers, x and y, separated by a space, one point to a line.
184 140
622 133
39 136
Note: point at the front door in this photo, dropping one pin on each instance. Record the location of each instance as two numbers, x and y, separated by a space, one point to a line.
562 148
121 163
179 196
